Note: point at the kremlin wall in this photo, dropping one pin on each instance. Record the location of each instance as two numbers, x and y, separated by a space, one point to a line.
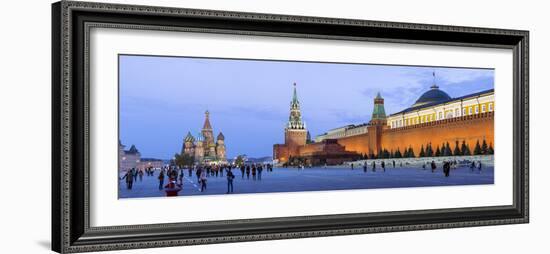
434 119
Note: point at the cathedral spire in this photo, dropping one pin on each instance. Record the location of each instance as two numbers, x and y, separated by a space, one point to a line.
207 125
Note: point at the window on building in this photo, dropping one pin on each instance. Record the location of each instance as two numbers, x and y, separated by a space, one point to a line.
464 111
440 115
490 106
457 112
483 108
477 109
470 111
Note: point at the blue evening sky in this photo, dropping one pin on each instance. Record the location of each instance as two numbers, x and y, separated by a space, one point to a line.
162 98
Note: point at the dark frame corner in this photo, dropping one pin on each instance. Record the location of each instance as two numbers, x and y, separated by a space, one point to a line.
70 228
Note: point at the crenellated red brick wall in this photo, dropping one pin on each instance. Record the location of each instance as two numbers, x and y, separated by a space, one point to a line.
468 128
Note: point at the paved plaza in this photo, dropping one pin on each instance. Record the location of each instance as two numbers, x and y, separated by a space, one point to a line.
314 179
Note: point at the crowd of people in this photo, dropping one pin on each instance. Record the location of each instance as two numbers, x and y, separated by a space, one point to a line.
171 178
174 176
446 165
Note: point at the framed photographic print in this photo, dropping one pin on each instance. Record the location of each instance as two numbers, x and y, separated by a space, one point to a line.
181 126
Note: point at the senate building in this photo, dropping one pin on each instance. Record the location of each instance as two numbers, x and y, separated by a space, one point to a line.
203 148
434 120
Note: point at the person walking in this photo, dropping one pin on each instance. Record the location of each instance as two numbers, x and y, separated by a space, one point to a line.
365 167
479 166
352 166
254 172
242 171
472 166
135 173
260 169
383 164
180 178
247 172
446 168
433 166
230 178
198 174
140 175
129 179
393 161
373 166
203 181
190 171
161 180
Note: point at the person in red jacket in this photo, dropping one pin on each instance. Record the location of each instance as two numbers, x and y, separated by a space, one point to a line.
172 188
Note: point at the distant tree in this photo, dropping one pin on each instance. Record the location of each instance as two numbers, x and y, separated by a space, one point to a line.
239 161
387 154
457 151
429 150
477 149
448 151
406 153
411 152
490 150
177 160
484 147
183 160
422 153
437 152
465 149
397 154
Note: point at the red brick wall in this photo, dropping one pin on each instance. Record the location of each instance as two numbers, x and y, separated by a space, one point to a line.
468 128
359 143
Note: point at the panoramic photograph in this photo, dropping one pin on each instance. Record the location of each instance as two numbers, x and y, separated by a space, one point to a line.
214 126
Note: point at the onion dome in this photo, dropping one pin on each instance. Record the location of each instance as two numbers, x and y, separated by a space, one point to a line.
200 137
189 138
220 136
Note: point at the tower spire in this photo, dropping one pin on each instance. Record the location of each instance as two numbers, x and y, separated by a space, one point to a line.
295 118
378 113
207 125
295 95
